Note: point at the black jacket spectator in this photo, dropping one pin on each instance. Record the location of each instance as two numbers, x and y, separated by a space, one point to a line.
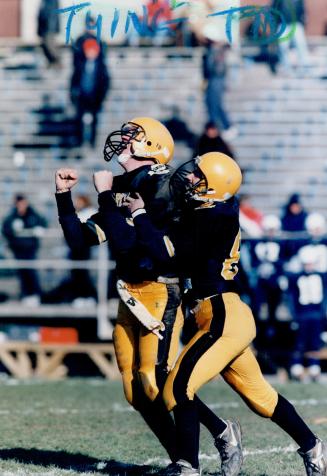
179 129
211 141
48 26
89 86
293 220
93 98
294 215
22 230
48 19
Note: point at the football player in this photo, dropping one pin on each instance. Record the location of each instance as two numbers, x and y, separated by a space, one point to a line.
148 282
210 244
149 319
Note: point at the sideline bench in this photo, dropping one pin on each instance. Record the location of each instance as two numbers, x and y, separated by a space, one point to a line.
15 356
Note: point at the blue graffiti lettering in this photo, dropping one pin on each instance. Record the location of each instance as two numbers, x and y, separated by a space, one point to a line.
72 12
265 29
115 22
97 25
268 25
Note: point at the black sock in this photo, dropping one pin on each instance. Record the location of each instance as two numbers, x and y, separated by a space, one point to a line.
159 420
188 432
290 421
209 419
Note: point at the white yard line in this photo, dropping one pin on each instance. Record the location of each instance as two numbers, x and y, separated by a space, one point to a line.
214 456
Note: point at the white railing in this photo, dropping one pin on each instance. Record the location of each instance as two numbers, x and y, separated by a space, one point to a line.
101 266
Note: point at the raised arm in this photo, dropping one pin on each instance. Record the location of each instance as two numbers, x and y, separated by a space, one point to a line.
78 235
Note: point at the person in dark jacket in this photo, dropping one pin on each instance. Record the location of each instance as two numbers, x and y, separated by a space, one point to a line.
293 221
214 70
211 141
89 87
294 215
48 27
22 229
179 128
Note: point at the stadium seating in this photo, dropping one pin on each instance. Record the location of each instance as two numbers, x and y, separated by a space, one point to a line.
281 120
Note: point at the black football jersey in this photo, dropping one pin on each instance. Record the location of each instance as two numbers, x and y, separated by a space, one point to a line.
208 246
141 246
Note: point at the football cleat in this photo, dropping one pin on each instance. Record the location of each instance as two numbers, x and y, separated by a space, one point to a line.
229 445
315 460
181 468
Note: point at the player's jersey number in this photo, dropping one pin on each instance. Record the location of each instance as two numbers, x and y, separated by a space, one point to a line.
230 268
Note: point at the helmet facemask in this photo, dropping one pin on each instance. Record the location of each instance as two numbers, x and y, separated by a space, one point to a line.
185 191
118 141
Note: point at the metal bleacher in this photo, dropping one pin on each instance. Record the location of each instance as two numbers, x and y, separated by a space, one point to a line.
282 120
282 142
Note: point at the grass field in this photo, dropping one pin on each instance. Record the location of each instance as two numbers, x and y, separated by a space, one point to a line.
84 427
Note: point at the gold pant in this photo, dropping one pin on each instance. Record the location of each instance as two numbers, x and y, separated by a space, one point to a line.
140 355
221 346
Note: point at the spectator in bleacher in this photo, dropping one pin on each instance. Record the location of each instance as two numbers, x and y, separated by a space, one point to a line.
89 87
22 228
212 141
214 74
293 222
48 28
88 34
294 215
178 128
306 293
293 13
315 225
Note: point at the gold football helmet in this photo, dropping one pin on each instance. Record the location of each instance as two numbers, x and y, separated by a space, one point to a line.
221 178
149 139
212 177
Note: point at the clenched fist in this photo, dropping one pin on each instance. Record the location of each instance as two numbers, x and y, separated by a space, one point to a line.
65 180
103 180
